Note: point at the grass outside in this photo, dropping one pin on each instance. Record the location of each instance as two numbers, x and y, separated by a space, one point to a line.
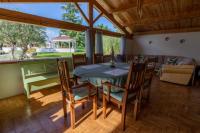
56 54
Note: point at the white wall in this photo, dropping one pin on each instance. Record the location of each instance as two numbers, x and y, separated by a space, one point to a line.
190 48
11 83
129 46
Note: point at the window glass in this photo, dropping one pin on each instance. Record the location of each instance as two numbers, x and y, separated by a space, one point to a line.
108 42
25 41
59 11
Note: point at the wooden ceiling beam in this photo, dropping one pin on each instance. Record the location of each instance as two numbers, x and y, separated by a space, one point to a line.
90 9
97 17
37 20
16 16
81 12
165 19
132 5
108 33
111 18
41 1
193 29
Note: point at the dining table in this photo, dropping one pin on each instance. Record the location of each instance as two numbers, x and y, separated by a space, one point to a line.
103 72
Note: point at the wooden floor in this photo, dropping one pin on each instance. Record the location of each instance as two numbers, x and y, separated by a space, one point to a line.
172 108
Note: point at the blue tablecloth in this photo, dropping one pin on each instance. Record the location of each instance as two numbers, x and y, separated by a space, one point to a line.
98 73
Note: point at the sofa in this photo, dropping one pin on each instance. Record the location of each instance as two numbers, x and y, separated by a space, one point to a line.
180 71
174 69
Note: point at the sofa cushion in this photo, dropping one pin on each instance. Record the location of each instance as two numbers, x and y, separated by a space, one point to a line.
80 93
184 69
177 78
172 60
178 66
114 88
185 61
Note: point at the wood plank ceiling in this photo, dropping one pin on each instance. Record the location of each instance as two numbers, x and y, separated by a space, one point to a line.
158 16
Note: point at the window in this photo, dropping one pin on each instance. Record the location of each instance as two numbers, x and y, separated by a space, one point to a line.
39 9
39 42
108 42
59 11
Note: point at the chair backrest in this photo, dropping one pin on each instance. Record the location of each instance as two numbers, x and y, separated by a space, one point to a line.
79 59
120 58
107 58
135 77
97 58
150 67
64 78
152 61
130 58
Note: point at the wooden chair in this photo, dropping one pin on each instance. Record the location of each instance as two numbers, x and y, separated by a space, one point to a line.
79 59
73 95
151 62
129 58
107 58
97 58
131 91
150 67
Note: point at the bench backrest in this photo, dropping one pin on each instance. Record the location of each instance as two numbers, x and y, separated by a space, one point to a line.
39 67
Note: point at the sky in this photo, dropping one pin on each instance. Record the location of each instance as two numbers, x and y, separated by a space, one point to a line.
51 10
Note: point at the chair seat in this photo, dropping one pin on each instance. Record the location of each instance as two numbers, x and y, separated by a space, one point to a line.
118 95
82 92
82 80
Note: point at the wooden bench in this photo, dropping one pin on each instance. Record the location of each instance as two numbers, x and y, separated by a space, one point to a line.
39 74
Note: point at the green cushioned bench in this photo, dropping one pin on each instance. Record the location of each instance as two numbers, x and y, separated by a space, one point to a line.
39 74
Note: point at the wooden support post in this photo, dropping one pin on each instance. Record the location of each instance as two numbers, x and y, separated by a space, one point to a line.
91 24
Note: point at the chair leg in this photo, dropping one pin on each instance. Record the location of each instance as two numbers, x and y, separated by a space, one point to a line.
123 118
119 106
97 88
104 106
148 93
95 107
64 107
72 110
83 105
135 109
140 100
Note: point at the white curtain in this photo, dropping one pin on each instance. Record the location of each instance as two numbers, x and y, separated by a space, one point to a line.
123 46
99 43
88 45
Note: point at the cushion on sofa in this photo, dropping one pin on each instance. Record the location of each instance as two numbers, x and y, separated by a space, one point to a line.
185 61
179 66
174 70
172 60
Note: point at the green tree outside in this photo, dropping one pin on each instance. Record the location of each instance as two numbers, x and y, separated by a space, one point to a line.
108 41
21 35
71 15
